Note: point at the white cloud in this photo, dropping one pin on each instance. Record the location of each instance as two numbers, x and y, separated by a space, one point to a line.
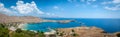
82 0
3 9
104 3
117 7
91 0
88 1
115 4
71 1
111 2
55 7
116 1
1 5
26 8
50 14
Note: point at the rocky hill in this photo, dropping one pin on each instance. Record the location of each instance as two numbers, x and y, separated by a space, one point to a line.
21 19
84 32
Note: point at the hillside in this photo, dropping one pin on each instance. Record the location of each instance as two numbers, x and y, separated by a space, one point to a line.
20 19
84 32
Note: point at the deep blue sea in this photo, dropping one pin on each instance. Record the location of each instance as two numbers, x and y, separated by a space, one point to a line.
109 25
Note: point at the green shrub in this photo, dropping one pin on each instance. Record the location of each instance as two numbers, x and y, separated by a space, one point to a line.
18 30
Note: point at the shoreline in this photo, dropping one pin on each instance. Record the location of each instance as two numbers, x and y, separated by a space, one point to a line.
81 29
84 32
22 26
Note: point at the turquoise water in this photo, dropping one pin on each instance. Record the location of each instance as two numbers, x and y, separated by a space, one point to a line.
109 25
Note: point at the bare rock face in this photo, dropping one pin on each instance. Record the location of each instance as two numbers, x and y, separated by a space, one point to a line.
83 32
21 19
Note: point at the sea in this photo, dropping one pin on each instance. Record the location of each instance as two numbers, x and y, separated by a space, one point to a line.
108 25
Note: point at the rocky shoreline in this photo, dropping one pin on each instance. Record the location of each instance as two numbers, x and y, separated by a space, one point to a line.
84 32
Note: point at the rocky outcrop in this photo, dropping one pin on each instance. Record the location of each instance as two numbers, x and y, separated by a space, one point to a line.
83 32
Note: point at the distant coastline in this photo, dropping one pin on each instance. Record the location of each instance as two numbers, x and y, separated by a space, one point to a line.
26 19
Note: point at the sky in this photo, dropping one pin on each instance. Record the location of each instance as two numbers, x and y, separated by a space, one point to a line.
62 8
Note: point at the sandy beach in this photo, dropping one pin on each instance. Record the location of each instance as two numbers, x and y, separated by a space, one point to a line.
22 26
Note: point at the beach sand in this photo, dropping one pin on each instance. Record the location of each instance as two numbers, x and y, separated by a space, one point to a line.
22 26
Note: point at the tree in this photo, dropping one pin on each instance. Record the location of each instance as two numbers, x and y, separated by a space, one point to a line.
4 32
2 25
118 35
41 34
18 30
73 30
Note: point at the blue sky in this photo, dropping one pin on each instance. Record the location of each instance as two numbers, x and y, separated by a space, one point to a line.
62 8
